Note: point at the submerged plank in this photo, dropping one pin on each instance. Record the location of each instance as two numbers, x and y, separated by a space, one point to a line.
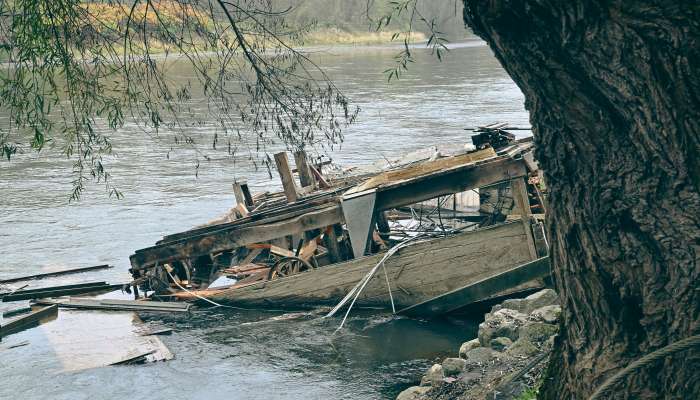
27 321
55 273
117 305
482 289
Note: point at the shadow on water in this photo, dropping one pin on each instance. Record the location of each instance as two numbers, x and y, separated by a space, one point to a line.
373 356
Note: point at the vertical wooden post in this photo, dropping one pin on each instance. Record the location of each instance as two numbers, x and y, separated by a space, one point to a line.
383 225
519 190
238 192
290 190
330 239
247 195
302 163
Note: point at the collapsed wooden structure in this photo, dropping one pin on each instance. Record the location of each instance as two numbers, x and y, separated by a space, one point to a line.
311 244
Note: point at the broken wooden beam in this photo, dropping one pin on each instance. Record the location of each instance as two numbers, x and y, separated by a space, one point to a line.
240 236
55 273
449 181
116 305
302 163
480 290
65 290
27 321
290 189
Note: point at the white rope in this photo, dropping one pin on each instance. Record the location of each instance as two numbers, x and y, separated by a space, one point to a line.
391 296
357 289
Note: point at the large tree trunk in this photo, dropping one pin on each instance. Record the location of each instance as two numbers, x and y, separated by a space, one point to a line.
613 90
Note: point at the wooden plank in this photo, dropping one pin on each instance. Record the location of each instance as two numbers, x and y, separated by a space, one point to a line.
522 201
290 190
27 321
58 291
417 273
423 169
247 196
482 289
302 164
238 193
55 273
231 239
117 305
230 236
330 239
448 182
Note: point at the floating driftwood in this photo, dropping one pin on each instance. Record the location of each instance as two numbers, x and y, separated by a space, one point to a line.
117 305
55 273
57 291
27 321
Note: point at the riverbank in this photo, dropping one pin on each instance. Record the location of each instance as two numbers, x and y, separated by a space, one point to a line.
505 361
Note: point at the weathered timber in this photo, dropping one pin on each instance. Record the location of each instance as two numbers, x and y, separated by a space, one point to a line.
290 189
522 201
425 168
55 273
234 238
448 181
416 273
27 321
139 358
396 194
238 193
116 305
16 311
301 161
56 291
483 289
274 214
330 239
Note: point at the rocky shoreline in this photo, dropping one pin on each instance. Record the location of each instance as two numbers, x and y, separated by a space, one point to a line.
505 361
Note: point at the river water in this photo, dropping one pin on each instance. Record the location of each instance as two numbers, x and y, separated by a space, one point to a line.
240 354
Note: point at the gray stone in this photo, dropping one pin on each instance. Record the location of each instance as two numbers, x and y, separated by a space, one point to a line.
471 378
522 348
453 366
466 346
546 297
500 343
548 314
480 355
433 377
412 393
502 323
537 332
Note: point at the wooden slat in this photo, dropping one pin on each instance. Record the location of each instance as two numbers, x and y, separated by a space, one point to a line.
290 190
27 321
231 239
117 305
482 289
302 164
55 273
423 169
448 182
60 291
521 200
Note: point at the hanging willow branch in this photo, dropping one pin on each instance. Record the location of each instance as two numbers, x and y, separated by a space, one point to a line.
76 71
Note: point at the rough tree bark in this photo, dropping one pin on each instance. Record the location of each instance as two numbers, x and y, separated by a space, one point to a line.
613 90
